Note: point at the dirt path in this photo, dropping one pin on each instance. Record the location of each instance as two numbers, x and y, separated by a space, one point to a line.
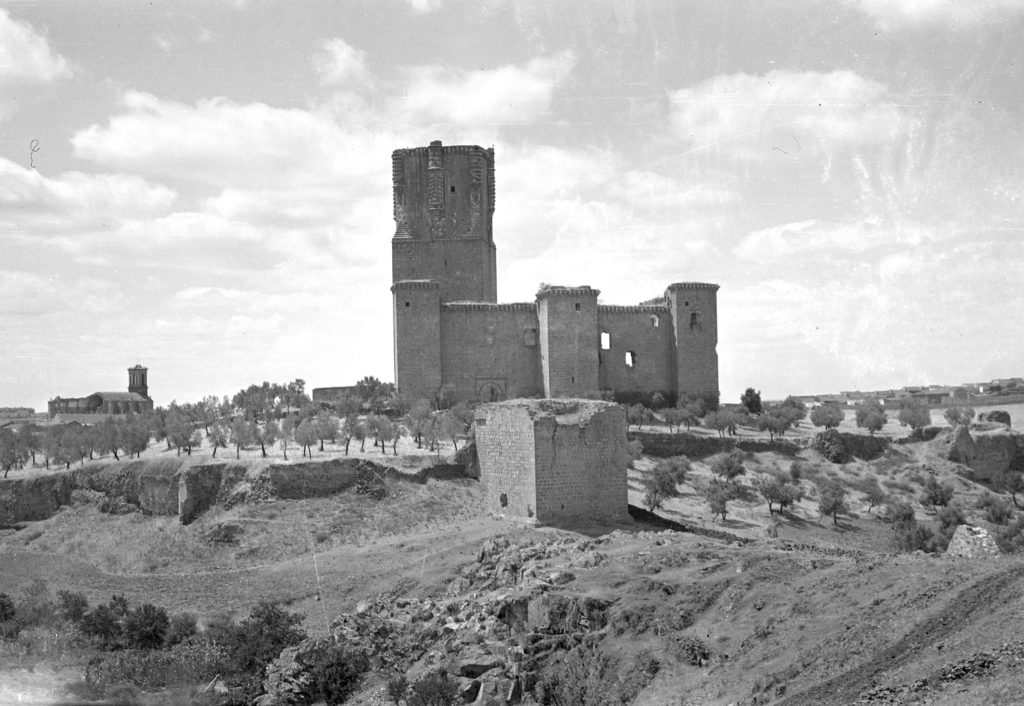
958 612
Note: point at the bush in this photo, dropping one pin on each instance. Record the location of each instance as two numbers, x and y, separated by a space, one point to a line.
873 493
72 606
35 607
258 639
187 663
677 466
433 690
582 678
6 608
396 688
182 627
1010 538
936 494
370 484
659 485
997 510
334 672
634 449
729 467
691 651
145 627
103 625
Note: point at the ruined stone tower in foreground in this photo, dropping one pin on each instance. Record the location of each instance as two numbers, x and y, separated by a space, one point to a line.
449 328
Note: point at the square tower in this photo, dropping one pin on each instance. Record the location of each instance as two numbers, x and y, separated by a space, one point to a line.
443 209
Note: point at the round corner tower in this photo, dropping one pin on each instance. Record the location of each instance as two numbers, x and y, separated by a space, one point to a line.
443 201
694 307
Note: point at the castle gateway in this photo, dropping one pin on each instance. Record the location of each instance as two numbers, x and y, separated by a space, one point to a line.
449 328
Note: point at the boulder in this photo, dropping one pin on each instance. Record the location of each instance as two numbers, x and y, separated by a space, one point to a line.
475 661
959 445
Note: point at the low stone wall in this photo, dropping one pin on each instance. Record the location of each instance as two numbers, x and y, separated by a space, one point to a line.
684 444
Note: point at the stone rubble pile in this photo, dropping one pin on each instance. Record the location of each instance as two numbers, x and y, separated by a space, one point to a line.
499 621
973 543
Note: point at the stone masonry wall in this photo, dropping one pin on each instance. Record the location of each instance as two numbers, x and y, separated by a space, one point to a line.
505 448
633 329
581 464
488 346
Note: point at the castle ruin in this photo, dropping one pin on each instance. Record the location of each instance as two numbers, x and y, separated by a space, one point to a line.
449 328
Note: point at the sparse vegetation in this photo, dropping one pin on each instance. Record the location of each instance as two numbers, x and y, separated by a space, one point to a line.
659 485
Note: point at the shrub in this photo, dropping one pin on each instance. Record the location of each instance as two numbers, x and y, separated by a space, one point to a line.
677 466
258 639
334 672
729 467
778 491
103 624
35 607
691 651
145 627
6 608
433 690
581 678
182 627
187 663
949 518
396 688
659 485
831 446
936 494
997 510
634 449
370 483
1010 538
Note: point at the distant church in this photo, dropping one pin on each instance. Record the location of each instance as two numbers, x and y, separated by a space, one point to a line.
94 407
449 329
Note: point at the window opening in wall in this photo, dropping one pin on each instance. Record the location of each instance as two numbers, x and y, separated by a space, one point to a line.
606 341
577 306
453 189
573 379
694 319
503 499
655 320
529 336
407 303
686 303
630 359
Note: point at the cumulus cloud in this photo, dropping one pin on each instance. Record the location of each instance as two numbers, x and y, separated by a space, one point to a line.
796 114
223 143
34 203
343 64
507 94
892 14
25 55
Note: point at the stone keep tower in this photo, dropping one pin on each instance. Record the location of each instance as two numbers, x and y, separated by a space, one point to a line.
694 307
137 380
443 207
567 323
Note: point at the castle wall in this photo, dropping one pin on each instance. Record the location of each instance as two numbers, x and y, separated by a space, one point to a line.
694 308
489 347
580 464
505 449
567 324
632 329
417 322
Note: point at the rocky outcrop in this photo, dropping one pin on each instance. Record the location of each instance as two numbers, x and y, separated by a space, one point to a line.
988 452
501 618
973 543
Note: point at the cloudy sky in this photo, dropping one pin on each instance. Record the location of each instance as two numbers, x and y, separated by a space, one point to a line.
204 187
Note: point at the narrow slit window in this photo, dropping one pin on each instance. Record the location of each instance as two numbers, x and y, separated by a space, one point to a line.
503 499
694 319
630 359
577 306
606 341
655 320
407 303
452 189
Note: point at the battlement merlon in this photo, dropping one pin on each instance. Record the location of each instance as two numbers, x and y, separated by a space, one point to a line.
416 284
